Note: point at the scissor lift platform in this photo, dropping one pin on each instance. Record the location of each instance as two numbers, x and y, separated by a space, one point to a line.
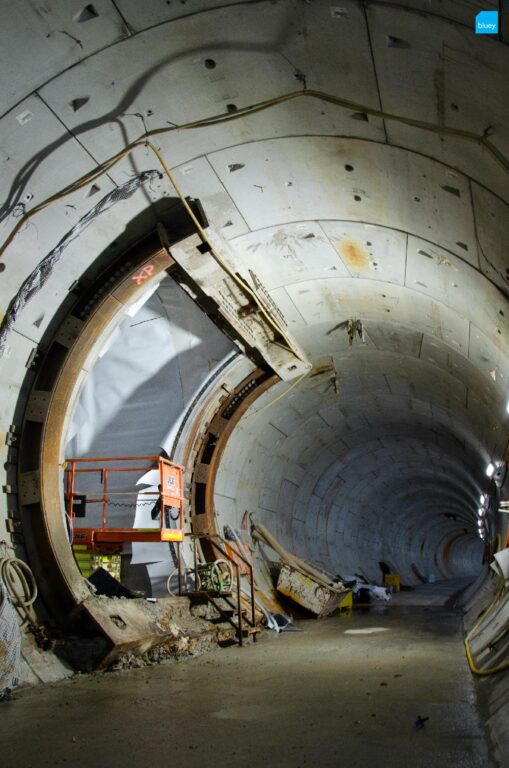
108 539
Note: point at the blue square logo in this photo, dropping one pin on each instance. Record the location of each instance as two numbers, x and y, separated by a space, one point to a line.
486 23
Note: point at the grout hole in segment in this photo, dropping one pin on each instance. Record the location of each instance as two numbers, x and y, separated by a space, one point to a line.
452 190
396 42
77 104
87 13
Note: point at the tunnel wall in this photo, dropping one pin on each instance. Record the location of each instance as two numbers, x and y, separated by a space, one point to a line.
479 601
347 501
382 196
305 183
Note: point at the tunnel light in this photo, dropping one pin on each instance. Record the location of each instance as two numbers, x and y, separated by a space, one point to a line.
483 498
481 512
490 469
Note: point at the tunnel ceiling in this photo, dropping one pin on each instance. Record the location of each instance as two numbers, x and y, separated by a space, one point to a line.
378 192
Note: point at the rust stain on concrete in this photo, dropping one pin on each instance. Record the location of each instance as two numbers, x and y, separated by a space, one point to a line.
353 254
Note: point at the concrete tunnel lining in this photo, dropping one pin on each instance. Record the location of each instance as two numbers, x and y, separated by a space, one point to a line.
456 378
372 185
384 200
403 420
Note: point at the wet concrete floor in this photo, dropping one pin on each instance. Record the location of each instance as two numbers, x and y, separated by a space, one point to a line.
321 697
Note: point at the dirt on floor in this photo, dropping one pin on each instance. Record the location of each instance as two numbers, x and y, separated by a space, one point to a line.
343 692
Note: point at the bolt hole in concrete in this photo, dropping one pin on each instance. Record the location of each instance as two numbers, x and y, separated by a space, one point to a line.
87 13
451 190
119 622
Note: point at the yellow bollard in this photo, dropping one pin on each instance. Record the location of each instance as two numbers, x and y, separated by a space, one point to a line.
346 605
392 580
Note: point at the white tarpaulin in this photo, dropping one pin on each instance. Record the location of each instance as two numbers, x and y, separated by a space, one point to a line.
10 642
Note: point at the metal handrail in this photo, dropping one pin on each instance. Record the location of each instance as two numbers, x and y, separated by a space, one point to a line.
74 467
212 538
249 566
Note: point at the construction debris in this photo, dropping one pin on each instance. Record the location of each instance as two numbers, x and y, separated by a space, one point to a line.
304 590
364 590
308 586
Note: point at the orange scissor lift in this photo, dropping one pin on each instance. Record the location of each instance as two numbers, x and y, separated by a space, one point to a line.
105 539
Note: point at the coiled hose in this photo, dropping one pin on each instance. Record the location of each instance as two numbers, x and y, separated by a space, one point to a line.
21 588
475 670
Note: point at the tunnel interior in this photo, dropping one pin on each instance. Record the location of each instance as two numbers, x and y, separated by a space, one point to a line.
351 165
374 456
365 186
359 183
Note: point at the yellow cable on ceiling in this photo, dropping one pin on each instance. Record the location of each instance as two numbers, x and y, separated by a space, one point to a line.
91 176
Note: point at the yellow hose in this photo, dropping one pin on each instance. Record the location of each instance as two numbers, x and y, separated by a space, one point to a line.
483 672
475 670
91 176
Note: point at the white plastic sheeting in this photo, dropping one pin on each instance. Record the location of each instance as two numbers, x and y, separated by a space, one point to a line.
135 396
10 643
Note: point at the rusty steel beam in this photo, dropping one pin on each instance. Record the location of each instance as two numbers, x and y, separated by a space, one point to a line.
212 443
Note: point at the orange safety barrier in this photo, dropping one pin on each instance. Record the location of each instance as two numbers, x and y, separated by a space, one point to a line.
106 539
